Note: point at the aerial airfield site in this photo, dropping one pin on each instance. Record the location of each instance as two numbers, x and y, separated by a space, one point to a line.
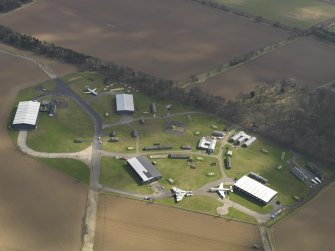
167 125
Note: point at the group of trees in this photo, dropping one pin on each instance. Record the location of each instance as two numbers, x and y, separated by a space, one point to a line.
290 114
8 5
284 111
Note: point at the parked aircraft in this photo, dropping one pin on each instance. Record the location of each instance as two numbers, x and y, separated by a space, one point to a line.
318 180
221 190
91 91
179 194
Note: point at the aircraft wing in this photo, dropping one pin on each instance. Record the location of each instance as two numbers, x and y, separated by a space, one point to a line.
94 89
179 196
221 185
222 193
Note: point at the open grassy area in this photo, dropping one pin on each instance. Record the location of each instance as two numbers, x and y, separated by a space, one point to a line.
251 204
157 131
35 91
332 29
125 140
184 176
202 204
238 215
116 174
253 159
103 105
299 13
71 167
57 134
78 82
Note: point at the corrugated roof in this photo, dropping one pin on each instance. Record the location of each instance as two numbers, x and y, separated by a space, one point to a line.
255 188
144 168
124 102
27 113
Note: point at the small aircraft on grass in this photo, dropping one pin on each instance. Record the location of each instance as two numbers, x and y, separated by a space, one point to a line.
179 194
221 190
91 91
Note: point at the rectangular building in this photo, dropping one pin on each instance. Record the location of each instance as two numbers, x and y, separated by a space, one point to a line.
26 115
125 103
144 169
255 189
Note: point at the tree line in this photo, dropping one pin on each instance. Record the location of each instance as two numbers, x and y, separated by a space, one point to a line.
285 111
8 5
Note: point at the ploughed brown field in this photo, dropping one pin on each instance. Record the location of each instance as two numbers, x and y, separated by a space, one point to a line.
170 39
306 60
124 224
40 209
311 227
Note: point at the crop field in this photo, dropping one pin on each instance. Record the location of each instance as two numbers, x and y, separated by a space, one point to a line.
33 197
310 227
123 224
158 37
298 13
313 69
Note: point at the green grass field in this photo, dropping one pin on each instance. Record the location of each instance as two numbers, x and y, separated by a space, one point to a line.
34 91
125 140
116 174
298 13
253 159
332 29
154 130
184 176
235 214
103 105
202 204
251 204
71 167
56 134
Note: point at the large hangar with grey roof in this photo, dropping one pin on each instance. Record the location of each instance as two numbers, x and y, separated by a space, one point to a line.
26 115
144 169
124 103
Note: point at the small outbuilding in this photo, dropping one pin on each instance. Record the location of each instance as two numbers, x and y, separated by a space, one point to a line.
125 103
26 115
144 169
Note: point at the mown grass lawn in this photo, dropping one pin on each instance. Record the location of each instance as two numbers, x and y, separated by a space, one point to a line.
238 215
203 204
123 132
253 159
71 167
299 13
116 174
184 176
57 134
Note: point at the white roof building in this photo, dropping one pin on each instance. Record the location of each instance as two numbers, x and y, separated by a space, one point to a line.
207 144
238 135
124 103
27 113
255 189
249 141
